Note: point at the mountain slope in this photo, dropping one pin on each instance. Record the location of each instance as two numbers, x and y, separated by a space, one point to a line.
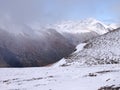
104 49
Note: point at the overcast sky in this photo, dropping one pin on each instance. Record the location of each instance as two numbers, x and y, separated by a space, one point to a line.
51 11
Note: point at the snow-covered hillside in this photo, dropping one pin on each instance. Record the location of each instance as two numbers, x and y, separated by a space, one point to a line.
104 49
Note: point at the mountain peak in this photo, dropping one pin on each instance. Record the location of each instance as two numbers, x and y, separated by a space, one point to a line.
82 26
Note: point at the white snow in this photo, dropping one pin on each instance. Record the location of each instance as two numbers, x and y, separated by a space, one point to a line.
79 47
62 78
59 63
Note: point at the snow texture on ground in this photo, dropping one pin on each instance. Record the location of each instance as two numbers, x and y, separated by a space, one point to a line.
60 78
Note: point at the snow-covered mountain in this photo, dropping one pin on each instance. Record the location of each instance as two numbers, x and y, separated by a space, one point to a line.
104 49
82 30
82 26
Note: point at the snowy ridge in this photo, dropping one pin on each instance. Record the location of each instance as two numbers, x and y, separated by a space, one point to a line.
114 25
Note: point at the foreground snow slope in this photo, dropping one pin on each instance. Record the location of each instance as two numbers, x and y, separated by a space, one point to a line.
60 78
